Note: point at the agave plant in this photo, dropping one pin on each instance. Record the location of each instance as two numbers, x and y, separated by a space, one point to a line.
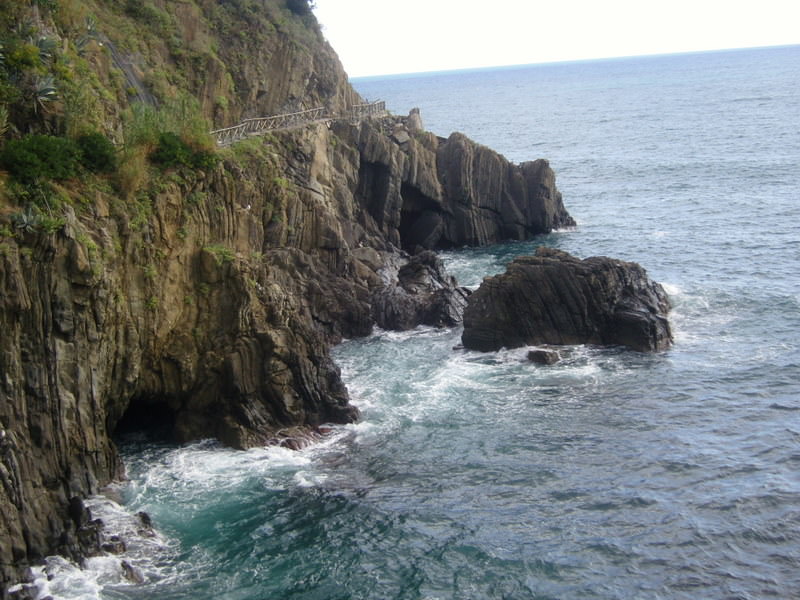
47 47
44 91
89 35
26 221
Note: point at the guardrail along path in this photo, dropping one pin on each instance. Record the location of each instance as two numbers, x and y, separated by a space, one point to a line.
261 125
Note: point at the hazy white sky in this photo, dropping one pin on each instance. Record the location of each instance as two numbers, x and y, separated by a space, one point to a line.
376 37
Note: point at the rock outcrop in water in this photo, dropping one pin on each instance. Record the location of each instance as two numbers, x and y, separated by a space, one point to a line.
205 303
555 298
420 293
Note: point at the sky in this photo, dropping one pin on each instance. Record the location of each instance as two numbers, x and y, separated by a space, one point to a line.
381 37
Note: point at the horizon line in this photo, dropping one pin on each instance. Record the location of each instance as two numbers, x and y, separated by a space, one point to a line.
565 61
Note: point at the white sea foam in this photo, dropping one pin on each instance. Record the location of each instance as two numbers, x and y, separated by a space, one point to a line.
308 479
207 465
62 579
672 289
188 470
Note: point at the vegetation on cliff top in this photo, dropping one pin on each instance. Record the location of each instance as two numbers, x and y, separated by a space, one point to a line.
146 78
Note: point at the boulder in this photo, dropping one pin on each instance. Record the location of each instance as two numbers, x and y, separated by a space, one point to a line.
556 298
422 293
544 356
400 135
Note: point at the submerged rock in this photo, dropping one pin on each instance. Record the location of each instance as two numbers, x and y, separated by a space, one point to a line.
544 356
556 298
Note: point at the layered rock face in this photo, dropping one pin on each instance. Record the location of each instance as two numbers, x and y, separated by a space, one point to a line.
428 192
419 293
556 298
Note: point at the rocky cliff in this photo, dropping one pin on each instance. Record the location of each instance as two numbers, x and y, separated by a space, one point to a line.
202 301
433 193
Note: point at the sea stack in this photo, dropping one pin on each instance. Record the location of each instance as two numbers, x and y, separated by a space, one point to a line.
556 298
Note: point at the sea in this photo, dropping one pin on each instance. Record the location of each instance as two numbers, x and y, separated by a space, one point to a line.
609 475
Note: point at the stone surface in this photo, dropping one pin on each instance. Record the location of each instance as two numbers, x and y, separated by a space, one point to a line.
555 298
420 292
433 193
212 318
544 356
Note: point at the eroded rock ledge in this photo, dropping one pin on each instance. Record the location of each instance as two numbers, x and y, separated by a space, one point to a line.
428 192
556 298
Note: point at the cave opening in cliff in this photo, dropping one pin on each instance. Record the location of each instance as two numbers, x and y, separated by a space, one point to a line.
148 417
421 221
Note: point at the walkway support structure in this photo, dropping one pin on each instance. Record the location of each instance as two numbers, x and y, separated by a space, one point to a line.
261 125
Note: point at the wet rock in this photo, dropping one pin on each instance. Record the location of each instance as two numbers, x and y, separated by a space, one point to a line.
544 356
556 298
78 511
145 519
131 573
423 294
114 545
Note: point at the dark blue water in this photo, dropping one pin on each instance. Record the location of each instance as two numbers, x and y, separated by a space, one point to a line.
610 475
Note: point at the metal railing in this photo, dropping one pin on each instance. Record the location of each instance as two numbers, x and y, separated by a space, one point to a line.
261 125
360 111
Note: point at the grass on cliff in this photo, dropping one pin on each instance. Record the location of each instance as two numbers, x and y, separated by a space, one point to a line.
68 123
173 135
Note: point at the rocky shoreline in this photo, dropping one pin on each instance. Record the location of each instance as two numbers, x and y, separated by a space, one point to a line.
205 302
214 316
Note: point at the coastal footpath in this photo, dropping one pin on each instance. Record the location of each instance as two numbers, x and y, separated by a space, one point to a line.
174 286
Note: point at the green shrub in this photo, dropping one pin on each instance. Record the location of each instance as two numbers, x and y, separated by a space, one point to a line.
185 117
47 4
172 151
204 159
98 153
40 157
20 56
142 126
147 13
22 163
222 254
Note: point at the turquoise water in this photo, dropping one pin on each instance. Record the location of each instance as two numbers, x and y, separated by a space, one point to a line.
609 475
